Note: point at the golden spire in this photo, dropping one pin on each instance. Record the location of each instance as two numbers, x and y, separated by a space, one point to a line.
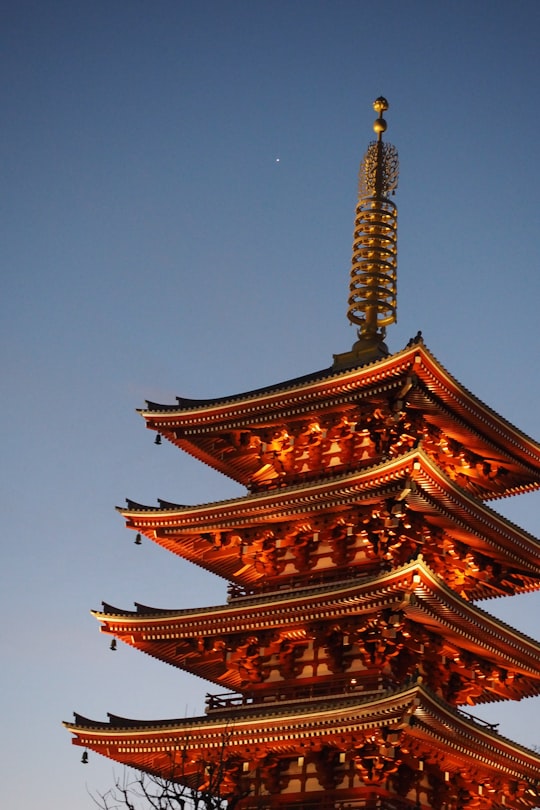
372 298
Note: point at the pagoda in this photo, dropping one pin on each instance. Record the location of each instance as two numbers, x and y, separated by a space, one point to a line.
350 651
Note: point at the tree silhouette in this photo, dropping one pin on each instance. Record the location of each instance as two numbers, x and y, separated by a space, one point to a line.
201 788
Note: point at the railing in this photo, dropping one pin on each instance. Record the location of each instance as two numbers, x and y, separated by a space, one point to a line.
284 693
296 583
322 803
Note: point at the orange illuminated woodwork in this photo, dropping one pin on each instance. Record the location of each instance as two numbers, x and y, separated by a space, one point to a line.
350 648
332 422
354 635
407 746
351 638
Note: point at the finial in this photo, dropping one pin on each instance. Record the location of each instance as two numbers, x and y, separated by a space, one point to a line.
372 299
380 105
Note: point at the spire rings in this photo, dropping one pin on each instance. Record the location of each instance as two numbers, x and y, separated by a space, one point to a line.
372 299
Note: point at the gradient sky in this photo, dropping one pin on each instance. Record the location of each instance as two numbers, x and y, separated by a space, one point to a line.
153 245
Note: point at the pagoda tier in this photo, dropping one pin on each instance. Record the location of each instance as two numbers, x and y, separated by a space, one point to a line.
363 521
407 748
353 635
334 421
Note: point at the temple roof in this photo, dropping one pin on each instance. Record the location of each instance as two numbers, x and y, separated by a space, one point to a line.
413 373
414 590
423 724
414 476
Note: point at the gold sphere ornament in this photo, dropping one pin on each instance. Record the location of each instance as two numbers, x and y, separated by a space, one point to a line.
380 104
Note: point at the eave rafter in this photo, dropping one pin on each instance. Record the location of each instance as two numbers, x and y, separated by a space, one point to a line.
192 423
325 390
412 719
413 592
484 468
413 476
485 420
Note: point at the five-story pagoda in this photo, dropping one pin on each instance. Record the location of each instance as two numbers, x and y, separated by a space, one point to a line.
351 638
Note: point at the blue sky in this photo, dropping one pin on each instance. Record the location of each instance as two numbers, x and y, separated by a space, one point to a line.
152 246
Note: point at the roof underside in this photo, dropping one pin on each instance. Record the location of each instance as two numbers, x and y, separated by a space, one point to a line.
414 592
198 426
416 715
216 536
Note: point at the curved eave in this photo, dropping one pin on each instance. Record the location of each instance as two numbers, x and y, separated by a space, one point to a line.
431 493
436 493
416 712
475 412
203 440
252 725
414 589
306 394
518 477
292 394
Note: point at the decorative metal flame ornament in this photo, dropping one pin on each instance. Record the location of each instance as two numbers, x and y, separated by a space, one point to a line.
372 299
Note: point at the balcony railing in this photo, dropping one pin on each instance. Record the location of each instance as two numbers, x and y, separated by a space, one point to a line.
283 693
295 583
